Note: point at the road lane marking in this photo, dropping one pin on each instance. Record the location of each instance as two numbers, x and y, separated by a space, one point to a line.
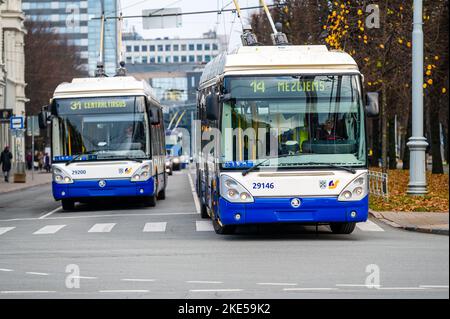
203 282
203 225
6 270
352 285
101 228
138 280
27 292
309 289
4 230
124 291
434 286
82 277
50 213
275 284
155 227
37 273
194 194
369 226
49 230
216 290
401 288
99 216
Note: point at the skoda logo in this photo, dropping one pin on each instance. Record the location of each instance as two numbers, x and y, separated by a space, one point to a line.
296 203
102 184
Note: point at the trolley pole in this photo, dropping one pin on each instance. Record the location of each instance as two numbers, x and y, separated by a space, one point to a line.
417 143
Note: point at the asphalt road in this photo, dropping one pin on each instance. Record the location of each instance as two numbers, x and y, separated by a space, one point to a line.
123 250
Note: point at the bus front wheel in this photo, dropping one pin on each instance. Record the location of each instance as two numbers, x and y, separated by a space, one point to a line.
150 201
223 229
68 204
342 228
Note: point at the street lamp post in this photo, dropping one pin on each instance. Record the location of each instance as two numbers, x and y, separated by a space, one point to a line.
417 143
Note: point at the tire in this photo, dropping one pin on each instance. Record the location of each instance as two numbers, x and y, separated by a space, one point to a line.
342 228
150 201
68 205
203 211
162 195
223 229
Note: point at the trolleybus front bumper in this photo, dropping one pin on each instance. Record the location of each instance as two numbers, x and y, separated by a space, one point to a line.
280 210
103 188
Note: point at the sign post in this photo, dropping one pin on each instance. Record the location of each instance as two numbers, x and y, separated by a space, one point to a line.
17 125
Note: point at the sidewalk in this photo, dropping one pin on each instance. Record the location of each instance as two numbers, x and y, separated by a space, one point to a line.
40 178
435 223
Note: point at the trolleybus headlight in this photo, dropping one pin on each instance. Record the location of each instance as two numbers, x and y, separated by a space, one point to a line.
143 174
233 191
61 177
356 190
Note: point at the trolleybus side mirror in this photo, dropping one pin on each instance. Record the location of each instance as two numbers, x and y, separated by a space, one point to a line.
212 107
372 104
154 117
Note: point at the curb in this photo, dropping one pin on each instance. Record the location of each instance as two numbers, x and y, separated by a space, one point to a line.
23 188
436 231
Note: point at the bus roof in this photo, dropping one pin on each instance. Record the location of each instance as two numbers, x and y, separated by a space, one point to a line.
97 87
279 59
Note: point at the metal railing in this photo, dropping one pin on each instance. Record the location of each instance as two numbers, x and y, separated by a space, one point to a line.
379 184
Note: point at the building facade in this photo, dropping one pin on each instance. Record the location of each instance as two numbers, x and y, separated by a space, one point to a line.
163 51
74 20
12 73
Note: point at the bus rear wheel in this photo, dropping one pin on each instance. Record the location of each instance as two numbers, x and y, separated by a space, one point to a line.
342 228
68 204
223 229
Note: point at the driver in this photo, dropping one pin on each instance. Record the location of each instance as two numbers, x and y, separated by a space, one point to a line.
328 131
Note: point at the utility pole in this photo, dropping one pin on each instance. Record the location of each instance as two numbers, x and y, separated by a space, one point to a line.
417 143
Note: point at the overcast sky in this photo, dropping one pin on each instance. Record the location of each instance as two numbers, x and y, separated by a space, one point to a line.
195 25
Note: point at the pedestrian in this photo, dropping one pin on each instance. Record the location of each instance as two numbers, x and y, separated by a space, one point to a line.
40 161
47 163
5 161
29 159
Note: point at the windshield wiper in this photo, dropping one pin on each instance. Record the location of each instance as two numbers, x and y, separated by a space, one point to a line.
345 168
251 169
80 155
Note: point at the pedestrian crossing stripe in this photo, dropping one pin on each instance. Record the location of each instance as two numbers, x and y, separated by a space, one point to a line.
49 230
101 228
369 226
161 227
4 230
155 227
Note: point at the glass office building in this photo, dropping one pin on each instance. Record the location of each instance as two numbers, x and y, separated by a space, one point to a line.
75 20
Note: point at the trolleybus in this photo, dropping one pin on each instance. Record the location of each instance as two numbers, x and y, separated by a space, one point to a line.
283 138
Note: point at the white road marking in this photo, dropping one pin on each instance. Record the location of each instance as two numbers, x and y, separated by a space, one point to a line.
369 226
351 285
275 284
309 289
434 286
194 194
124 291
101 228
37 273
83 277
400 288
49 230
27 292
138 280
98 216
203 282
204 225
216 290
50 213
6 270
4 230
155 227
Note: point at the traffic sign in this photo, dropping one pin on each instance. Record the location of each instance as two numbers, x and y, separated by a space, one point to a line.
5 115
17 123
